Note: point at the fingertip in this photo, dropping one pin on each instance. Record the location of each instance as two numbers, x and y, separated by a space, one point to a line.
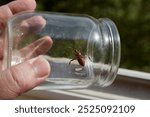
49 40
40 66
22 5
33 24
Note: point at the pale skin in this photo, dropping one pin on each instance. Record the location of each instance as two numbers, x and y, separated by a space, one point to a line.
29 74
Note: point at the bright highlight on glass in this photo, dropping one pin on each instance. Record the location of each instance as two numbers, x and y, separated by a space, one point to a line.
84 50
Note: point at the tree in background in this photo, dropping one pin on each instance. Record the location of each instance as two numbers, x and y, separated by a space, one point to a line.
132 18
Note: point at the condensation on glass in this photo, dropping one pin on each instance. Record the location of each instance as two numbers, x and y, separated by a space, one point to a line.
85 50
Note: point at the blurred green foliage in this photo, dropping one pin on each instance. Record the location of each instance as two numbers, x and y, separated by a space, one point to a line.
132 18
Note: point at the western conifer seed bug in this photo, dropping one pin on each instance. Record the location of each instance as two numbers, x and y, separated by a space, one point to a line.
79 57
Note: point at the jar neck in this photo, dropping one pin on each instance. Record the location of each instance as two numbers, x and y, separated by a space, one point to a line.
104 49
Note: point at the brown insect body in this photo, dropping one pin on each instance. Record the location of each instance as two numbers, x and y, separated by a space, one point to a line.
79 57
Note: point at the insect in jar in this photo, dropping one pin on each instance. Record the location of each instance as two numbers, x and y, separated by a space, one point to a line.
79 57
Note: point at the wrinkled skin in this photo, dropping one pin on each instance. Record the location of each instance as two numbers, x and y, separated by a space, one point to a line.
27 75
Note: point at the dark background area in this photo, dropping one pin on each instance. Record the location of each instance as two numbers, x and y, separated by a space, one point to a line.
132 18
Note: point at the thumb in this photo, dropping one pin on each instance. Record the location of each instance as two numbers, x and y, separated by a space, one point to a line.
23 77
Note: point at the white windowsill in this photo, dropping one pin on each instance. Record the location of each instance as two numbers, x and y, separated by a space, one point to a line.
129 84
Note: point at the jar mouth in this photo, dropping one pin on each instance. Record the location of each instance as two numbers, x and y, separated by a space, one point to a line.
107 49
115 48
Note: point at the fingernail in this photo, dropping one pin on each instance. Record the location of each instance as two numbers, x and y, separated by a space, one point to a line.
41 67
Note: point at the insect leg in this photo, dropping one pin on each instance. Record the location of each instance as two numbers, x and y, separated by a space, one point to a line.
71 61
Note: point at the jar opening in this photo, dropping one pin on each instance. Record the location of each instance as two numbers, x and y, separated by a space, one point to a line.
104 49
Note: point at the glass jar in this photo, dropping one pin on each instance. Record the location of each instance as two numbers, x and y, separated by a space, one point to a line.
85 50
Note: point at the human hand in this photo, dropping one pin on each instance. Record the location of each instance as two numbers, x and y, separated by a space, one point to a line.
24 76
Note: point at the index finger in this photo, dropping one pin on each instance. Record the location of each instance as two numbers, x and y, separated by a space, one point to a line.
21 5
8 10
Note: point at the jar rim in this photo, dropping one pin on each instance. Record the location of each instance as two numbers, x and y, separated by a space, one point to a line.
114 42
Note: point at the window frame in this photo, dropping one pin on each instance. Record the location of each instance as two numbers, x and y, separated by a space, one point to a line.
129 84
